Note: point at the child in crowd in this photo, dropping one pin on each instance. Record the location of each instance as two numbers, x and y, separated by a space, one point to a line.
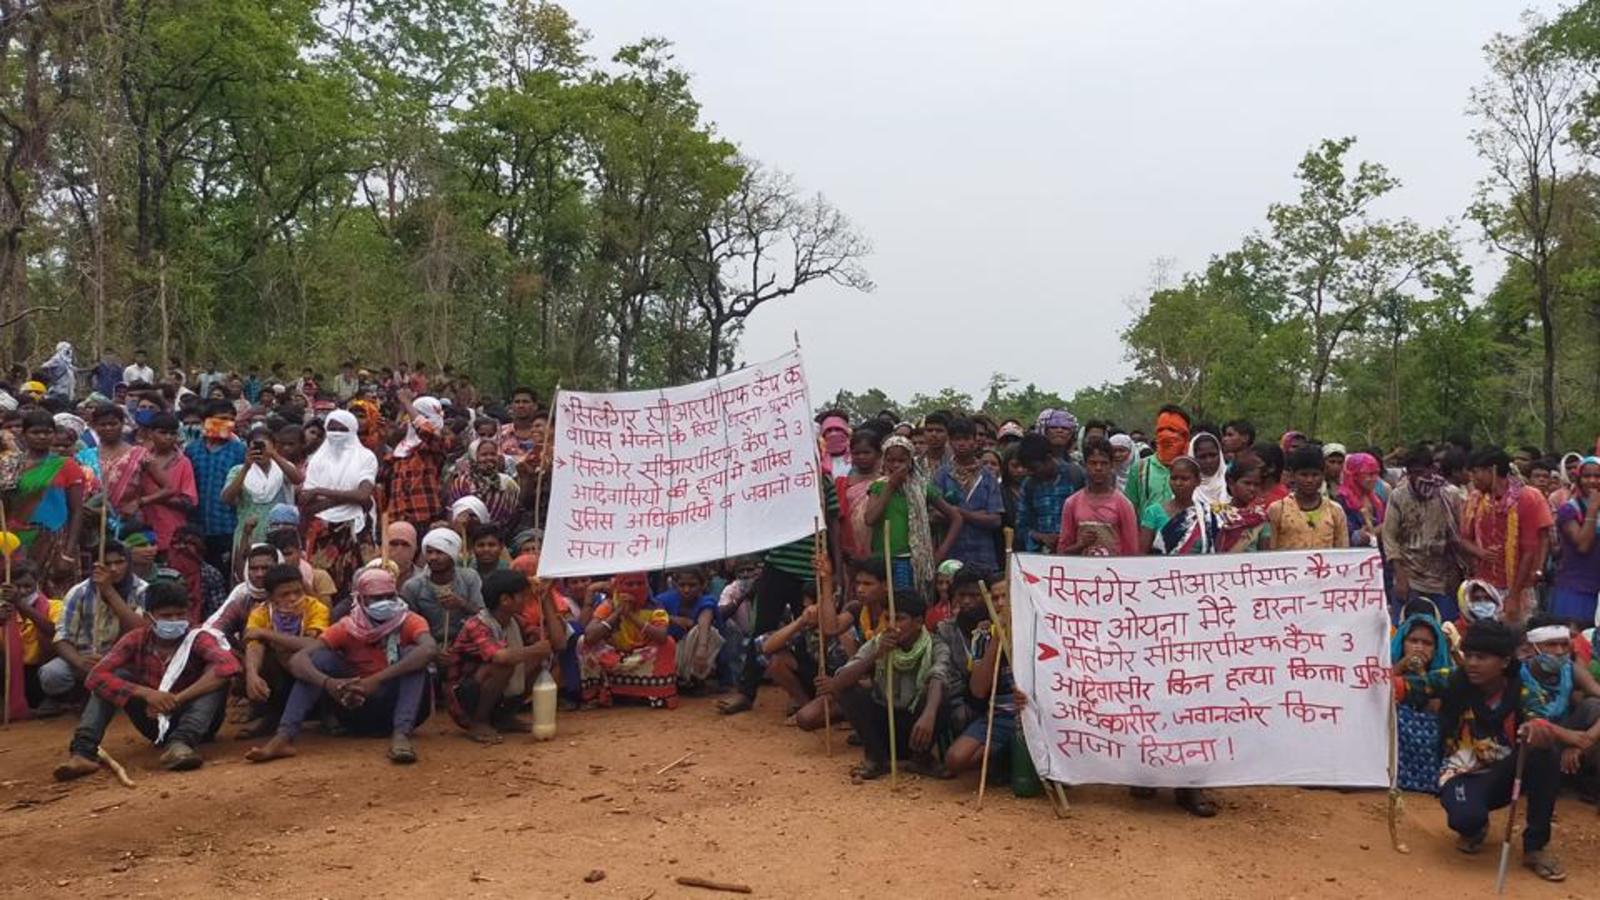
95 615
171 684
692 623
917 663
791 653
974 675
1183 524
492 661
1098 520
27 618
290 621
1243 524
1307 519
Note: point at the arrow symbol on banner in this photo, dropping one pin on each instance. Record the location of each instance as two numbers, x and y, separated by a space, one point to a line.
1047 652
561 463
1027 576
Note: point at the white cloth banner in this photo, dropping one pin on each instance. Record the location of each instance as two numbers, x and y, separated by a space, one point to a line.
647 480
1193 671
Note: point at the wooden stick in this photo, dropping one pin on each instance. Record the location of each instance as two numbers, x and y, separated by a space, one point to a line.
1394 781
1511 817
538 469
99 601
888 681
116 768
819 565
729 887
663 769
446 636
1060 790
995 634
383 538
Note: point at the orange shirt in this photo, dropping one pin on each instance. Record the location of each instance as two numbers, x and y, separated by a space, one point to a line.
369 659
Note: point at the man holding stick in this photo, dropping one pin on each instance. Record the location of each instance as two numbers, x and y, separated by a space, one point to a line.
917 664
1490 710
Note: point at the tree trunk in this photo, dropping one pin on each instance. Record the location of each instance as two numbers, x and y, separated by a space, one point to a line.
1548 386
714 349
166 322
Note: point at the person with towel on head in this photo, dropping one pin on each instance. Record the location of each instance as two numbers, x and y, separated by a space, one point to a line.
444 586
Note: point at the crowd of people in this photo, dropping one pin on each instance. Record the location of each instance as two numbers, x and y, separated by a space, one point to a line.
363 551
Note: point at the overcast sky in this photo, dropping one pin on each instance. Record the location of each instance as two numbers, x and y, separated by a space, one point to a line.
1020 166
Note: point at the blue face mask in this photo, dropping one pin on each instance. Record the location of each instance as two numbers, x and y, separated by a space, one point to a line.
143 417
384 610
170 629
187 433
1548 664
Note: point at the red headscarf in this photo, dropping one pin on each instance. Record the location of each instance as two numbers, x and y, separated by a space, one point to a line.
1355 466
1172 437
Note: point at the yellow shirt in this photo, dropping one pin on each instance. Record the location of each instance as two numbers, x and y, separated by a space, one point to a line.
313 617
33 650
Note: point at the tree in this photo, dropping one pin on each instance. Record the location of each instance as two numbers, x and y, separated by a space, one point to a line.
764 243
1336 261
1526 107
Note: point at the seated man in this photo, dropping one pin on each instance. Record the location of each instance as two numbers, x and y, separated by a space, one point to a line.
27 619
448 593
975 674
373 664
791 653
1488 705
491 660
290 621
626 651
158 670
488 550
907 653
692 623
95 614
1572 693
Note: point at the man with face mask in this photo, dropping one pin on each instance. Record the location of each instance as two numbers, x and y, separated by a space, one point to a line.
373 665
1573 693
156 671
1148 483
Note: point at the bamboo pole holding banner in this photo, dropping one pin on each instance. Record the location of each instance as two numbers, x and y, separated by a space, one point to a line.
1394 781
99 601
823 574
888 681
548 447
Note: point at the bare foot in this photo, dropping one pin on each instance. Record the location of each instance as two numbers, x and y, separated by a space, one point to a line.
278 748
483 733
401 751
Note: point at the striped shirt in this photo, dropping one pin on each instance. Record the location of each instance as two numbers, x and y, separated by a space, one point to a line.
795 557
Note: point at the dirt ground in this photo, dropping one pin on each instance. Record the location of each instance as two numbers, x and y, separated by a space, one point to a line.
757 803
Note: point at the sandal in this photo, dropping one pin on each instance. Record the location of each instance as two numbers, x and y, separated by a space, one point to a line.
1472 843
1544 865
1196 801
401 752
735 705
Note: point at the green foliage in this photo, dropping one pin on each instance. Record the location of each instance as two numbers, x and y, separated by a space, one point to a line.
436 181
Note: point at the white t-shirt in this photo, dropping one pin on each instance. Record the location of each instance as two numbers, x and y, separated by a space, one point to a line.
137 372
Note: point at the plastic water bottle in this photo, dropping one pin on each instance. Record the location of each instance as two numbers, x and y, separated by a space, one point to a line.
544 706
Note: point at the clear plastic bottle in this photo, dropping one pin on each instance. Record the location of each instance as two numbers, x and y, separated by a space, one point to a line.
544 706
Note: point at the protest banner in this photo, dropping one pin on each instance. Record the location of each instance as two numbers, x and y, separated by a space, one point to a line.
647 480
1201 671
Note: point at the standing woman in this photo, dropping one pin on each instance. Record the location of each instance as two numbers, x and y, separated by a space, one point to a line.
901 496
265 479
1122 453
338 487
1183 525
1578 565
1363 508
866 456
44 497
1206 450
1012 474
119 464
